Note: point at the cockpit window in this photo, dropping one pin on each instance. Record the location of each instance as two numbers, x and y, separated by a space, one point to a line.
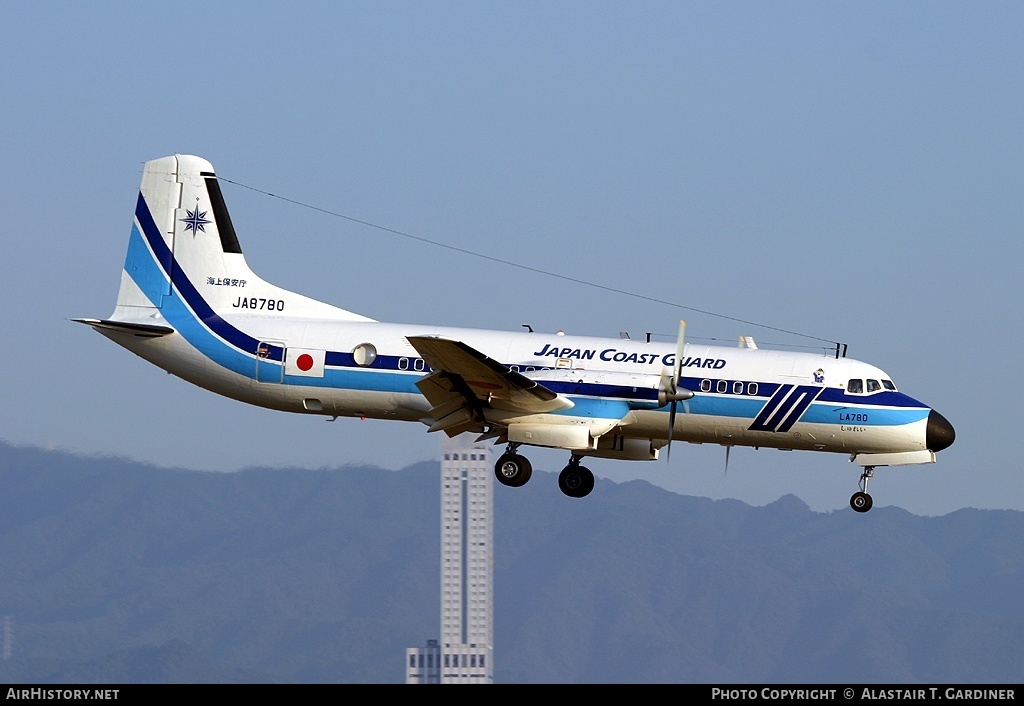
856 386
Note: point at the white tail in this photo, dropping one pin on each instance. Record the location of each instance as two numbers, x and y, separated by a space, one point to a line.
183 246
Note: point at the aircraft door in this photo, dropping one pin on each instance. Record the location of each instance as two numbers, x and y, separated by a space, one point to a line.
270 361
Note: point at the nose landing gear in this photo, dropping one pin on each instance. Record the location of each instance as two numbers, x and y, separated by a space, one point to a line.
861 501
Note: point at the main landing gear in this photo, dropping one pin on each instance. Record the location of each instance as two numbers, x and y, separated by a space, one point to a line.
861 501
575 480
514 470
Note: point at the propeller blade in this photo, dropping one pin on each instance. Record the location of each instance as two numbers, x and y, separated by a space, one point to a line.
680 345
670 388
671 429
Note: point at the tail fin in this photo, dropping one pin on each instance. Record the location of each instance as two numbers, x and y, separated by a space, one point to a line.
183 247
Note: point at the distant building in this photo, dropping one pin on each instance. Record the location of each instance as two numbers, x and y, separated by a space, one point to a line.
465 652
423 664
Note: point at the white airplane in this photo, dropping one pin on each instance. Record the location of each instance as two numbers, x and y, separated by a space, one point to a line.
189 303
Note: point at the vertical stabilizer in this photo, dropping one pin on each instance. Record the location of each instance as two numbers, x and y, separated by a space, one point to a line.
183 246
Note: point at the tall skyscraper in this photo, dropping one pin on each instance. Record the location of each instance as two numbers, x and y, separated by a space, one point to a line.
465 652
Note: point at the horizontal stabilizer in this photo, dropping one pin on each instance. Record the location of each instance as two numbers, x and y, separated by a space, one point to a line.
139 330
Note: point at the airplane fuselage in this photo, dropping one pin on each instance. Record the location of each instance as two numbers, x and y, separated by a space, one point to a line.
745 397
190 304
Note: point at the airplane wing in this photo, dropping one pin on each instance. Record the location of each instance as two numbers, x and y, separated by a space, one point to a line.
464 382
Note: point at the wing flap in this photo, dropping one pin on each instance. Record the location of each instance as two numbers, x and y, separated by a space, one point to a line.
453 408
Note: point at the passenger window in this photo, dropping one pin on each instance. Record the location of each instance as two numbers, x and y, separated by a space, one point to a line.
751 388
737 388
403 363
873 386
855 386
418 364
723 386
705 386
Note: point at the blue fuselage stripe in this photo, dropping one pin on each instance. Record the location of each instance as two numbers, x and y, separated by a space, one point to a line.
777 408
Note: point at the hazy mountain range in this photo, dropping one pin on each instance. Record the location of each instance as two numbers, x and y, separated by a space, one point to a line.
113 571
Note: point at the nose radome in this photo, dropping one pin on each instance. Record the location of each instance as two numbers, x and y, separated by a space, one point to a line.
939 434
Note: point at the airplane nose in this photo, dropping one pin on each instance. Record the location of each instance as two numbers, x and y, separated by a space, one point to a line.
940 434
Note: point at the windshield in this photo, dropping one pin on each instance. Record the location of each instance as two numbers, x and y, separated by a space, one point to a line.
858 386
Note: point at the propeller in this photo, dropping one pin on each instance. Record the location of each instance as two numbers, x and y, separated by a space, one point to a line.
669 390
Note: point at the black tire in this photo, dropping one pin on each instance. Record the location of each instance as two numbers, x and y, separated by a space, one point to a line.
861 502
576 481
513 470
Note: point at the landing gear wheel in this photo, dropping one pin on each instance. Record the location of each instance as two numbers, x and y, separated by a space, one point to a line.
576 481
861 502
513 470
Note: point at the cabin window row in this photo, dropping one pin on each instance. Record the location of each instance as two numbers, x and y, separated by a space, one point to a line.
854 386
366 353
726 387
527 369
417 364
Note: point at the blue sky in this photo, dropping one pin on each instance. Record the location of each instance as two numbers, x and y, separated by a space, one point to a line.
852 171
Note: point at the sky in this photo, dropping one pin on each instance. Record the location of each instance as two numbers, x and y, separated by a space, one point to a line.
851 171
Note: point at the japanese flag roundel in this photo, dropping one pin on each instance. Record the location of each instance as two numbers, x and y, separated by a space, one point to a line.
305 361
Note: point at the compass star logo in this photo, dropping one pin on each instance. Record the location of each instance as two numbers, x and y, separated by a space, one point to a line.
195 221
